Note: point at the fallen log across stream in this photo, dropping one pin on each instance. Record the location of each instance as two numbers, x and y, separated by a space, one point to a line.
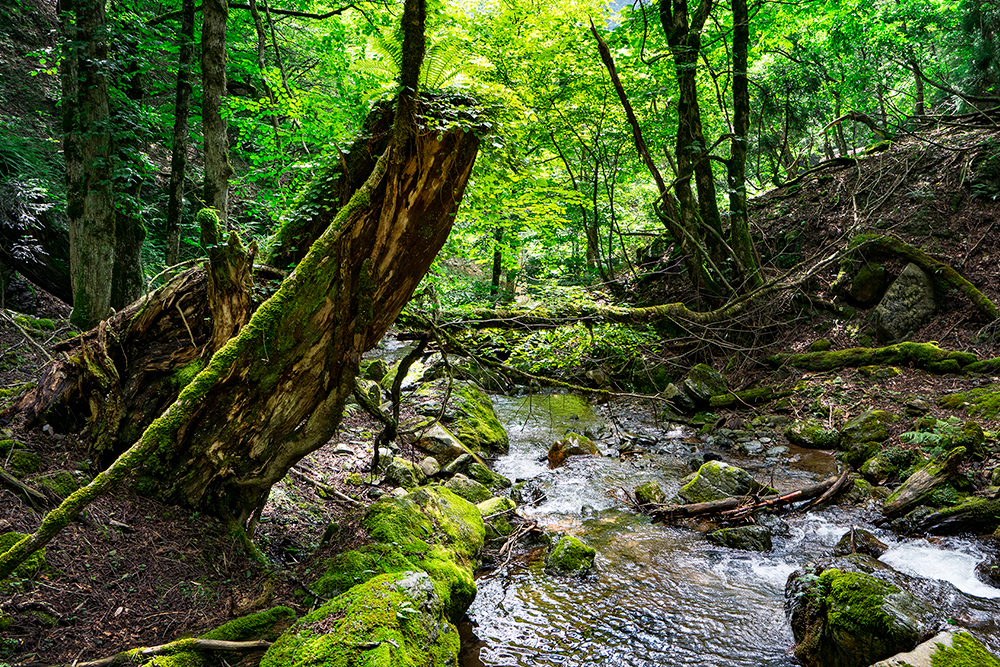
738 507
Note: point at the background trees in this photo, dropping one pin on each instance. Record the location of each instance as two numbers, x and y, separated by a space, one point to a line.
250 105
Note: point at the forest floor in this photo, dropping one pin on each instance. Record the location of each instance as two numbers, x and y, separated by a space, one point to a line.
136 573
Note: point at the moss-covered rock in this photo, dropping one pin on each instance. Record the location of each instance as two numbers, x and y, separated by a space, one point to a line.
62 482
868 285
748 538
812 434
24 462
973 439
887 464
486 477
438 532
439 442
870 426
748 398
467 488
403 473
570 556
843 618
702 383
392 619
469 414
573 444
945 649
983 401
716 480
650 493
908 304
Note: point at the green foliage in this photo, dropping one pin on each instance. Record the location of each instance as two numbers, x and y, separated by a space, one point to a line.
935 435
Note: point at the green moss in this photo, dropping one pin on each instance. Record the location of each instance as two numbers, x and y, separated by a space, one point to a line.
182 376
357 566
62 483
571 556
965 651
855 602
263 625
746 399
921 355
23 462
380 623
476 424
983 401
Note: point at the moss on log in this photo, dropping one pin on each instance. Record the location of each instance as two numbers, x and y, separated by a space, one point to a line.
920 355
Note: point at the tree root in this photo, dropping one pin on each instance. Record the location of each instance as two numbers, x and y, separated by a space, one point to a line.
182 645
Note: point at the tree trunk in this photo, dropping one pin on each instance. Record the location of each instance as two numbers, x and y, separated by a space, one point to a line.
178 159
497 262
739 219
273 393
213 71
91 215
32 240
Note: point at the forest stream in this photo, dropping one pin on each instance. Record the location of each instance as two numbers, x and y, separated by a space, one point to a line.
661 594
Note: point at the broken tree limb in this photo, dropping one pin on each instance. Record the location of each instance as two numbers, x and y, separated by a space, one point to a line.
182 645
741 504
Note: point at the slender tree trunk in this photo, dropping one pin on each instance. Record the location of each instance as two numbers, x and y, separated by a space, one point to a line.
91 214
182 111
497 261
739 219
262 66
213 71
919 107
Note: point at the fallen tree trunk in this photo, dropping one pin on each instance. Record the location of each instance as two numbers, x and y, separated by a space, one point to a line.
729 507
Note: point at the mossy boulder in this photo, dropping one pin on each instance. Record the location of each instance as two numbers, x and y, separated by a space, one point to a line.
702 383
403 473
849 618
945 649
24 462
438 532
376 370
716 480
650 493
486 477
62 482
573 444
570 556
887 464
812 434
748 538
392 619
467 488
469 414
973 439
870 426
868 285
439 442
983 401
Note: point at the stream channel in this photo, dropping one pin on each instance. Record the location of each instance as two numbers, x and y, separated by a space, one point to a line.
662 594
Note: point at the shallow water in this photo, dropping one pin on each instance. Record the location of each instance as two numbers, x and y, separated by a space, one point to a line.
661 595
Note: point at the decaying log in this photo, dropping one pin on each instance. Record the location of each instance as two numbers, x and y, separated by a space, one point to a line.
736 506
918 486
135 655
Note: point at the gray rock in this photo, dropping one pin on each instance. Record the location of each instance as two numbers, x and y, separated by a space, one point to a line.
429 466
861 541
908 305
650 493
469 489
528 492
748 538
678 398
441 444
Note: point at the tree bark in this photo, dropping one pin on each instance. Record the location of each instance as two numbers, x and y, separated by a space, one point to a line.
91 215
178 158
213 71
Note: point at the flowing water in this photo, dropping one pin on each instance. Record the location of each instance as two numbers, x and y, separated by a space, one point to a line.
661 595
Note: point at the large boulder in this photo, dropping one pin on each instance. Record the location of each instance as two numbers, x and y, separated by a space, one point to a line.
438 441
908 305
919 487
702 383
812 434
860 436
842 615
716 480
469 489
430 529
392 619
403 473
468 413
945 649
